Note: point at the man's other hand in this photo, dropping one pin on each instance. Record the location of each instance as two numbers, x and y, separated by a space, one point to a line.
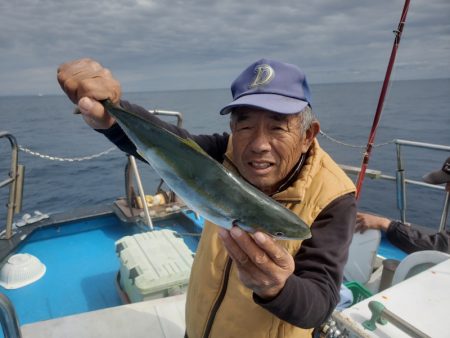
263 265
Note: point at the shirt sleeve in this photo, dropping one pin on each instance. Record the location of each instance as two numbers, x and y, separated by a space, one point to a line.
411 240
312 292
214 145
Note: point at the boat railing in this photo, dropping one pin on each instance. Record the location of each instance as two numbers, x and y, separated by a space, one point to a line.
402 181
135 171
178 115
8 318
15 183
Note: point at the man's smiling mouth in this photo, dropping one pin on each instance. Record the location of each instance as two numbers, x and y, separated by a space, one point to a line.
260 165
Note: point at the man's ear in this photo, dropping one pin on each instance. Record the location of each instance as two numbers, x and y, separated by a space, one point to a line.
310 134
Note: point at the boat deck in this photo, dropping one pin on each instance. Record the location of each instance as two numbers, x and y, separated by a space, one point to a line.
159 318
411 300
82 265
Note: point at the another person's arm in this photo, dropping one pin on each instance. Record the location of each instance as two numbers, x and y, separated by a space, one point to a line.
368 221
403 236
411 240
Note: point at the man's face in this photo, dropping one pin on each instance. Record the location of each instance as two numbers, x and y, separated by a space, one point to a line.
266 146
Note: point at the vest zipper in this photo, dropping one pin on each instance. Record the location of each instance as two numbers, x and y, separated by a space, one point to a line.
219 300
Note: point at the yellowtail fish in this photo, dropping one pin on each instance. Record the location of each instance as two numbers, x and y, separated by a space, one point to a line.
205 185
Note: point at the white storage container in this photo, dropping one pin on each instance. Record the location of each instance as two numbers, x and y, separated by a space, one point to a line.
154 264
362 255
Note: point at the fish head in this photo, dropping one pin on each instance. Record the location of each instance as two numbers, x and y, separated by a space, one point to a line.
290 232
285 224
290 227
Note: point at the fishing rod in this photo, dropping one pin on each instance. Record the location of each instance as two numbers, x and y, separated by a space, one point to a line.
365 161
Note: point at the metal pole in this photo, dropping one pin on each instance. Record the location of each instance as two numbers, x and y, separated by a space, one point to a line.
380 315
8 318
401 186
13 182
402 324
444 213
148 219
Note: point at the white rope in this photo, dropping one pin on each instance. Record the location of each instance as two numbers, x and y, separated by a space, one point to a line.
65 159
85 158
332 139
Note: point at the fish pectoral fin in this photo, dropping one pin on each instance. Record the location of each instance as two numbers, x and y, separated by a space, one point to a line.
246 228
191 143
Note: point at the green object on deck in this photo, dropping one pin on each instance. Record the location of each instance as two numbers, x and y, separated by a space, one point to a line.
376 308
358 290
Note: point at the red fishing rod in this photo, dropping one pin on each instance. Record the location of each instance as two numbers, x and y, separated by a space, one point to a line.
365 162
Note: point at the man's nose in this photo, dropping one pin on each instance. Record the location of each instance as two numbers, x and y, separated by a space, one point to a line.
260 141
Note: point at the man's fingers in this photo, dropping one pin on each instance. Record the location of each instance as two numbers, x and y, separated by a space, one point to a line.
262 250
70 87
78 67
86 77
264 253
249 273
260 265
248 246
234 250
94 113
276 253
91 108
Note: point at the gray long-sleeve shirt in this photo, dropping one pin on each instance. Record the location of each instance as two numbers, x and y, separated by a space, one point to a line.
411 240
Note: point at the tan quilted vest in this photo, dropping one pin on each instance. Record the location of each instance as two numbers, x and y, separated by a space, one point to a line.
236 314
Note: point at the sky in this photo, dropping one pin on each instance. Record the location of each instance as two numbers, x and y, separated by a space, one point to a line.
198 44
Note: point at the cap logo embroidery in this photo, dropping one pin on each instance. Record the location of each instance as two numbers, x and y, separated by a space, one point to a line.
264 74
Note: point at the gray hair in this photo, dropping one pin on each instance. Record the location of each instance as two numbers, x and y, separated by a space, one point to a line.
307 118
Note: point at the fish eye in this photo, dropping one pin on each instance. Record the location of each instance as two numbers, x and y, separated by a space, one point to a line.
279 234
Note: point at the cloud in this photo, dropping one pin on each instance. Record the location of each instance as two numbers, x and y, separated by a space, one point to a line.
177 44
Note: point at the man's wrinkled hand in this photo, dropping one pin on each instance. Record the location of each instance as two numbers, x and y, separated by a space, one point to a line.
263 265
85 82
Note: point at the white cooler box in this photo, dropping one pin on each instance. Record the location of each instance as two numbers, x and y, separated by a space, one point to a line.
153 265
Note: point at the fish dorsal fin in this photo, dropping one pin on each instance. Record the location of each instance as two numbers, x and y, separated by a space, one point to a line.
109 106
141 153
191 143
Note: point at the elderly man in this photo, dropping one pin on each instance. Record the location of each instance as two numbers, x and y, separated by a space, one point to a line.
246 285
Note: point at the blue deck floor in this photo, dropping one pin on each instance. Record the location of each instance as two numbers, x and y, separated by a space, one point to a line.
81 268
388 250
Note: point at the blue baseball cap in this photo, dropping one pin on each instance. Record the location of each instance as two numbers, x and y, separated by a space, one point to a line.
270 85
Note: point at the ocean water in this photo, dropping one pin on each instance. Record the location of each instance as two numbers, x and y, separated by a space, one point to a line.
414 110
